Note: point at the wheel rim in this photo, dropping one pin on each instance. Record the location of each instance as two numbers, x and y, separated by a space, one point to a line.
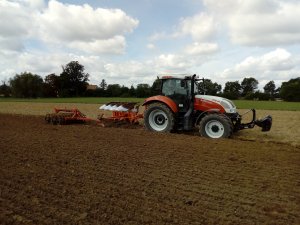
214 129
158 120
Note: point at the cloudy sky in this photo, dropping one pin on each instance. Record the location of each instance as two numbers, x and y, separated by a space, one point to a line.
132 41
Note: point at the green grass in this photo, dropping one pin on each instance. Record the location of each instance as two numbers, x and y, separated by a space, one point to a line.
268 105
241 104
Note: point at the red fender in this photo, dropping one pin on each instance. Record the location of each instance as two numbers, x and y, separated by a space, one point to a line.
160 98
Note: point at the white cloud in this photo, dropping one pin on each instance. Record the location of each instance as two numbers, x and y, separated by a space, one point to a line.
114 45
258 23
125 70
275 65
147 71
40 36
14 26
201 27
130 72
44 64
201 48
150 46
172 63
35 4
81 26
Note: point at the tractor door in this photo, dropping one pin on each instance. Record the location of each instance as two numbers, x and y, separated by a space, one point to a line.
179 91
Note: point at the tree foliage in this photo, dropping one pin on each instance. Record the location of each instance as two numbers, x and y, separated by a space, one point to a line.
270 88
290 91
143 90
103 84
209 88
114 90
232 90
73 80
26 85
5 90
249 85
52 85
155 88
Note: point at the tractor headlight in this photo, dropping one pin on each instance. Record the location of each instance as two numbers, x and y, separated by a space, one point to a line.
228 106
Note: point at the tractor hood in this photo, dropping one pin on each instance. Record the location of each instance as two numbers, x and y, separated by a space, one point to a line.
227 104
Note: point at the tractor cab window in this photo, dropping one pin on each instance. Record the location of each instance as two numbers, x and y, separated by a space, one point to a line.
196 88
175 87
178 90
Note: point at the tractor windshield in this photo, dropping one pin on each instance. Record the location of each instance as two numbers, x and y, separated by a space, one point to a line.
179 91
173 87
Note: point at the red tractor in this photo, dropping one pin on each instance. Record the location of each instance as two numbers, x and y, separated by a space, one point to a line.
180 106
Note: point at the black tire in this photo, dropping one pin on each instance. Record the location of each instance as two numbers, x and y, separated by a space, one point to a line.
216 126
48 118
159 117
54 120
61 120
229 121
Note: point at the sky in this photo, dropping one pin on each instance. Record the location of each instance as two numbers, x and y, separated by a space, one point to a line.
134 41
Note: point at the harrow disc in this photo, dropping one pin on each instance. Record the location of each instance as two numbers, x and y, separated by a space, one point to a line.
48 118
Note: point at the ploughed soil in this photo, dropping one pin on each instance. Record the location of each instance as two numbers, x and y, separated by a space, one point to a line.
90 174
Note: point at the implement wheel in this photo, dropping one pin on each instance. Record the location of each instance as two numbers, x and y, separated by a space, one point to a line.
61 120
158 117
48 118
216 126
54 120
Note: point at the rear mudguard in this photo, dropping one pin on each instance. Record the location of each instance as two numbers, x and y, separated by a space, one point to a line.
163 99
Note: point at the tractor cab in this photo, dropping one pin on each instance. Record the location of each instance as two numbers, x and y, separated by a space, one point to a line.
179 88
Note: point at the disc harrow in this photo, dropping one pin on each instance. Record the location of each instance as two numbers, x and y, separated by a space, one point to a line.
64 116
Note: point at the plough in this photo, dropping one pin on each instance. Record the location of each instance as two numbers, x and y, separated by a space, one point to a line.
121 111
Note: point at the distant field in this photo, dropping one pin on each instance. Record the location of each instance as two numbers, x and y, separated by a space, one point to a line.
268 105
87 100
241 104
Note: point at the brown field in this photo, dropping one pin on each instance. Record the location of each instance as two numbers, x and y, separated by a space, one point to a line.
87 174
285 129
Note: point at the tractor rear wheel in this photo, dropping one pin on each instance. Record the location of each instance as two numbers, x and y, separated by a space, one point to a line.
216 126
158 117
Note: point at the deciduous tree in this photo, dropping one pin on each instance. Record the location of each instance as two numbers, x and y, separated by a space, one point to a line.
5 90
232 90
73 79
26 85
290 91
103 84
209 88
249 85
269 89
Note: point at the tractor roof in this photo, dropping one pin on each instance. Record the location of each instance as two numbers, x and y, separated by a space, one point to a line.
174 76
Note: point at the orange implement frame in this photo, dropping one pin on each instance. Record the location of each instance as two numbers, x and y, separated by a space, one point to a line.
62 116
131 117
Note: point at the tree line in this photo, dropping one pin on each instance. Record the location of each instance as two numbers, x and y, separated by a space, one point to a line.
73 82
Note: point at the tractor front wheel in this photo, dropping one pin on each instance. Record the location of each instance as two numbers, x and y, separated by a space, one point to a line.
158 117
216 126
